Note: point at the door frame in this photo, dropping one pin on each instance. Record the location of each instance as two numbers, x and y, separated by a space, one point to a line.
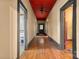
39 27
74 48
19 2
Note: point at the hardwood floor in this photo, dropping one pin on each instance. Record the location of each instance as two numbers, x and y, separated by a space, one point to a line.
43 48
69 44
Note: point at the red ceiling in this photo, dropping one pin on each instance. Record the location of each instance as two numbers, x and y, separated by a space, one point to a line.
42 8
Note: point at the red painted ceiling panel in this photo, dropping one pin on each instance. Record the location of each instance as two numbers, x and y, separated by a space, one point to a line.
42 8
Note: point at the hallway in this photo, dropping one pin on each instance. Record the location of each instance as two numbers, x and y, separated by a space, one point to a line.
39 29
41 47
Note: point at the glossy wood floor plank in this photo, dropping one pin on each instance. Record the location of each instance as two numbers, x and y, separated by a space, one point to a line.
69 44
42 48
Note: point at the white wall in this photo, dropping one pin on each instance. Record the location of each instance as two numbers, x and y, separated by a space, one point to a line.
31 21
8 28
13 28
53 21
78 28
31 26
4 30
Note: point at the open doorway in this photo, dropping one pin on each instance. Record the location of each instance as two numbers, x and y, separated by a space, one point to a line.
41 28
68 18
68 27
22 29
